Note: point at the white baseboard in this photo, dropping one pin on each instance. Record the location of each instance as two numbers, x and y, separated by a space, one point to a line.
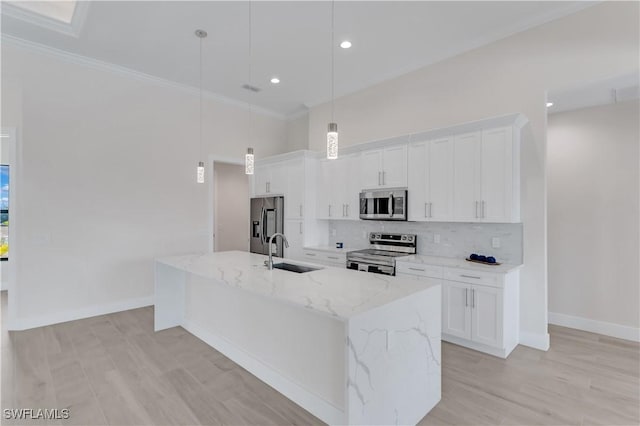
593 326
535 340
317 406
90 311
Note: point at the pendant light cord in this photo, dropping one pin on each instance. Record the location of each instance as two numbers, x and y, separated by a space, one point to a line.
200 78
332 59
250 69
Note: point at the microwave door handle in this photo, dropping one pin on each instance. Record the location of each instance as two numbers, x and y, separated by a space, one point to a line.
390 205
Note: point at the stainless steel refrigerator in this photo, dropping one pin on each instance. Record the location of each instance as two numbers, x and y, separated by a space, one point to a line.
267 218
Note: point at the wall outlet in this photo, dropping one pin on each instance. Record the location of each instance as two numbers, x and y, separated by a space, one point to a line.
495 242
436 238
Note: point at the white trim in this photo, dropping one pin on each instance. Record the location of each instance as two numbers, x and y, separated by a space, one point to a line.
499 352
30 17
535 340
15 173
601 327
127 72
311 402
72 315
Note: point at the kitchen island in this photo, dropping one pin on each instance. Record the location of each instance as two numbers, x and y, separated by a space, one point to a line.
350 347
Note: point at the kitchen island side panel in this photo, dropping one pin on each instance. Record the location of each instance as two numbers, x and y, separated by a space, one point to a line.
300 345
394 361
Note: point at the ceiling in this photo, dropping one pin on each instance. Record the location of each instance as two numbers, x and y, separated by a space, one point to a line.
291 40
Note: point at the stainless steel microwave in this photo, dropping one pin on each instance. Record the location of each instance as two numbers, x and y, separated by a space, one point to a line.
389 204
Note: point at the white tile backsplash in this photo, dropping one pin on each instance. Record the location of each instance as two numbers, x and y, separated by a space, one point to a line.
457 240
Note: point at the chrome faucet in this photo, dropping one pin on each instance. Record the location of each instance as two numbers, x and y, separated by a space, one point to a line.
286 244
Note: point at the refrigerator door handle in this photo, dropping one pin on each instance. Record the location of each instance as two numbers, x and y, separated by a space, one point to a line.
263 219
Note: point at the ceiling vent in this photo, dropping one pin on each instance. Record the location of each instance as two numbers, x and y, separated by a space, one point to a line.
251 88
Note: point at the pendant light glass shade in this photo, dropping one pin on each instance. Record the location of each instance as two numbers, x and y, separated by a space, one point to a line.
200 172
332 141
248 162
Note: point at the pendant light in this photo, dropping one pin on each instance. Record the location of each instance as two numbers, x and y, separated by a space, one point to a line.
248 162
332 131
248 157
200 170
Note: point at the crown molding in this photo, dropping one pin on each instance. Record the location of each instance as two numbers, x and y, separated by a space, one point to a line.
72 28
99 65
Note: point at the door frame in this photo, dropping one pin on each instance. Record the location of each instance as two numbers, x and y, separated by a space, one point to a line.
211 213
14 156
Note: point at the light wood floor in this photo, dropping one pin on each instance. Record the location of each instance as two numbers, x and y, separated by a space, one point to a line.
114 369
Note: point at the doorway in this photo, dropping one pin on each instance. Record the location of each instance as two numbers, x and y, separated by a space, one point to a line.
230 207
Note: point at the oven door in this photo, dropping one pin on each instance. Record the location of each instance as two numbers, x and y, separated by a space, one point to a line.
383 205
370 267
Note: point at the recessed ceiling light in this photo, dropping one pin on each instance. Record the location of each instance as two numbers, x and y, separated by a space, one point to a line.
345 44
275 80
549 104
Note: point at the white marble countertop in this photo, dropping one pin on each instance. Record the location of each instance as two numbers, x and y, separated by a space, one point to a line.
337 292
457 263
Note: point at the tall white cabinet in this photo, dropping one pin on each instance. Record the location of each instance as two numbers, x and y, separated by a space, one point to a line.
430 180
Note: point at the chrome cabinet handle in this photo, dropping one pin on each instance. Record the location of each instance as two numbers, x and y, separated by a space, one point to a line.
379 178
332 257
309 254
466 297
383 178
430 204
476 209
473 298
417 269
300 228
347 206
471 276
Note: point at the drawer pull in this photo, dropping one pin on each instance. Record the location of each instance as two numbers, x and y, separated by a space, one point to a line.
310 254
417 269
471 276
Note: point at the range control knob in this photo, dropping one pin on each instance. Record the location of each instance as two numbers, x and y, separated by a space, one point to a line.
404 238
378 236
410 238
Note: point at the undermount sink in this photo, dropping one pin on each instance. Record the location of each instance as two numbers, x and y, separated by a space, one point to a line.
294 268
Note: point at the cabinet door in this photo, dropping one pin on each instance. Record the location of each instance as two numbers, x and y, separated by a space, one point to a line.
371 169
353 187
323 189
497 175
394 167
486 308
417 208
338 182
294 230
440 179
261 178
294 195
466 174
456 313
278 181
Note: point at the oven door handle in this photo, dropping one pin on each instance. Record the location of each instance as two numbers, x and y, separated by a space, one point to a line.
390 205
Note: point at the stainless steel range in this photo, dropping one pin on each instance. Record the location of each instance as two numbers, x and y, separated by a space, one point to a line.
381 257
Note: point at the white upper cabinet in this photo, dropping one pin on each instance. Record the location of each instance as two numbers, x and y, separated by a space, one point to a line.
338 188
486 181
294 195
384 168
430 180
270 179
466 176
496 194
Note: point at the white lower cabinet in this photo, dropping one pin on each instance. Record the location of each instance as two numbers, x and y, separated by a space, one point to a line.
294 230
480 309
328 258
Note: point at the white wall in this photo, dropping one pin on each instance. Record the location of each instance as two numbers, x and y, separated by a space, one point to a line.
298 133
511 75
107 172
231 207
594 214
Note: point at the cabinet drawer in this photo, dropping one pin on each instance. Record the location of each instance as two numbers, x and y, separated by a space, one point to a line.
418 269
326 258
472 277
